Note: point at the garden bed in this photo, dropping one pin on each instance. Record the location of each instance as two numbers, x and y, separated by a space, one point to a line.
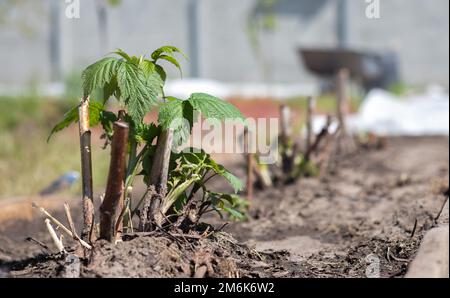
366 207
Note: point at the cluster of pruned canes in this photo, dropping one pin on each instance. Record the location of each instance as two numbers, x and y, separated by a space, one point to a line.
310 154
177 194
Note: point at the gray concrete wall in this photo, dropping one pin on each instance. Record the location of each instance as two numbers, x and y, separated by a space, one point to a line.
418 30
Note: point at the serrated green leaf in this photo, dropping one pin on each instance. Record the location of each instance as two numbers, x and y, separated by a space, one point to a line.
231 204
214 108
154 82
161 72
138 97
146 133
154 79
72 116
98 74
122 54
233 212
234 181
147 66
170 112
171 115
170 50
109 89
107 119
173 61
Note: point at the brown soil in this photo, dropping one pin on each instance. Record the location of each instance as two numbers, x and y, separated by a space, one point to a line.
365 207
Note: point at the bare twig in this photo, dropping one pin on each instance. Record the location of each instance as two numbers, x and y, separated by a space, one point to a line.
442 209
309 118
285 134
60 225
322 134
35 241
86 171
413 232
70 221
53 235
342 99
391 255
250 163
113 201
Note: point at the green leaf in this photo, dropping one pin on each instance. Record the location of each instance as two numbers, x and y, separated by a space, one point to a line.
139 98
98 74
173 61
154 79
148 67
231 204
233 212
69 117
169 50
109 89
146 133
107 119
234 181
172 115
156 83
72 116
122 54
214 108
161 72
170 112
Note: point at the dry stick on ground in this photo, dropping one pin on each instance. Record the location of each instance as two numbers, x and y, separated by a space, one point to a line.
113 201
55 238
60 225
72 225
70 221
250 163
86 171
442 207
37 242
158 176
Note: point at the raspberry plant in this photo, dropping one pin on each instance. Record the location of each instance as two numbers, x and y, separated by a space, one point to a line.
180 196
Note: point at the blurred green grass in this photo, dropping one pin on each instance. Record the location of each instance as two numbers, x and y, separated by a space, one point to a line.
28 163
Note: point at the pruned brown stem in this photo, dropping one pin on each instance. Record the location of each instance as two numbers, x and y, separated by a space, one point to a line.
113 202
250 163
86 172
285 124
159 174
342 97
322 135
309 118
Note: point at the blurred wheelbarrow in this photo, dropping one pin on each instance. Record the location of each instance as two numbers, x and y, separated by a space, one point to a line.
369 69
